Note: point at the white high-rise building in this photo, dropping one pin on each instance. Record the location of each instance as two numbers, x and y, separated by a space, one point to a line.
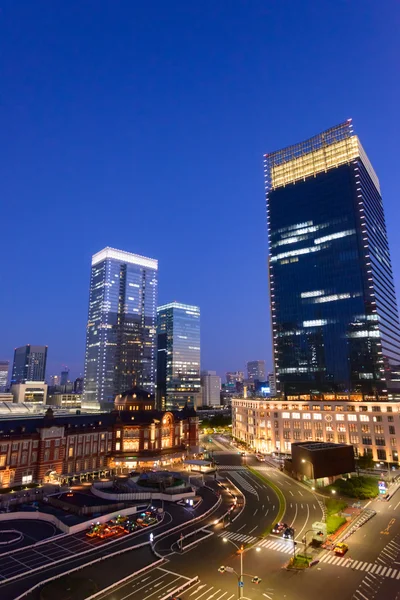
211 388
121 330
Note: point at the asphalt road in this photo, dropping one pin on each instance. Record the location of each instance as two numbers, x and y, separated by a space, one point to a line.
22 563
32 532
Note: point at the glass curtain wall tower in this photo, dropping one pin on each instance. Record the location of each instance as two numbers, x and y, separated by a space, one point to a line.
334 313
178 356
121 330
29 364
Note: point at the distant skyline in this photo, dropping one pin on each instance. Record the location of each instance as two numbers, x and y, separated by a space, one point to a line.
143 127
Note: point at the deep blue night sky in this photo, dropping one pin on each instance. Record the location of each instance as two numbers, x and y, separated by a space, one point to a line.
142 125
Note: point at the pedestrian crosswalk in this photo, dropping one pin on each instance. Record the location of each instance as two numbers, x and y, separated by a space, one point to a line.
239 537
360 565
243 483
231 468
268 543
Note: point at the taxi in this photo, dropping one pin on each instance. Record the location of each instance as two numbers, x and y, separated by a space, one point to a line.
340 549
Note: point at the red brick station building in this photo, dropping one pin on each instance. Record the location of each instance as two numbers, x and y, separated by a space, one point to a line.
60 448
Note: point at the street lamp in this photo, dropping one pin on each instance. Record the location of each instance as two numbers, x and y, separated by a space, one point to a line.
240 575
333 492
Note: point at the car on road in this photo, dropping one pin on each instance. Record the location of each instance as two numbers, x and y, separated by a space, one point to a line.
340 549
279 528
288 534
260 457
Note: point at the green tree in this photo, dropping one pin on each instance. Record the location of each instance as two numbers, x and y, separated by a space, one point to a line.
365 461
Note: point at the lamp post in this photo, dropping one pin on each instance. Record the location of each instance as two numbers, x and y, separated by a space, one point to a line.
304 460
240 575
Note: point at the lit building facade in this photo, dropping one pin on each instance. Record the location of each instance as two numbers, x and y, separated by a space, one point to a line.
256 370
273 425
121 330
178 356
210 388
4 366
60 448
29 364
333 306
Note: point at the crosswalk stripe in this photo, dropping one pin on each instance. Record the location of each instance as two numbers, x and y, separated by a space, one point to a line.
362 568
384 571
378 570
374 568
393 575
355 564
398 575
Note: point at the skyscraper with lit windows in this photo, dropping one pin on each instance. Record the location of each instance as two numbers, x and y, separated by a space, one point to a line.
178 356
334 313
121 330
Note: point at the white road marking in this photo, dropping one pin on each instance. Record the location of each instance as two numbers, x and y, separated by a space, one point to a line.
294 518
251 531
266 595
395 508
290 492
240 528
172 573
206 592
266 512
255 512
200 587
300 492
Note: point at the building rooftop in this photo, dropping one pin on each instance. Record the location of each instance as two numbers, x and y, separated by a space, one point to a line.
123 256
317 446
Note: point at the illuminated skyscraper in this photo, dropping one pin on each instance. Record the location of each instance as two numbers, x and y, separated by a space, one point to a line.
4 366
29 364
178 356
121 330
333 306
256 370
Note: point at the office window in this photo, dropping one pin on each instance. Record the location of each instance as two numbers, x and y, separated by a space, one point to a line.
339 407
389 409
352 417
317 416
378 428
47 443
286 424
354 439
376 409
393 442
3 448
353 427
390 419
47 455
392 429
34 457
56 453
118 435
366 440
296 425
24 458
286 415
307 425
330 437
380 441
306 416
295 415
25 445
365 429
70 452
341 438
57 443
297 435
381 454
350 408
364 418
339 417
14 446
35 443
3 460
286 435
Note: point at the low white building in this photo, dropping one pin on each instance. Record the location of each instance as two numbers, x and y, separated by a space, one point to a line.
210 388
271 425
30 391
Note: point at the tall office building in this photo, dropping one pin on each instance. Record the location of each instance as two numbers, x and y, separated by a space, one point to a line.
64 376
210 388
233 377
272 384
121 330
256 370
333 306
178 356
4 366
29 364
